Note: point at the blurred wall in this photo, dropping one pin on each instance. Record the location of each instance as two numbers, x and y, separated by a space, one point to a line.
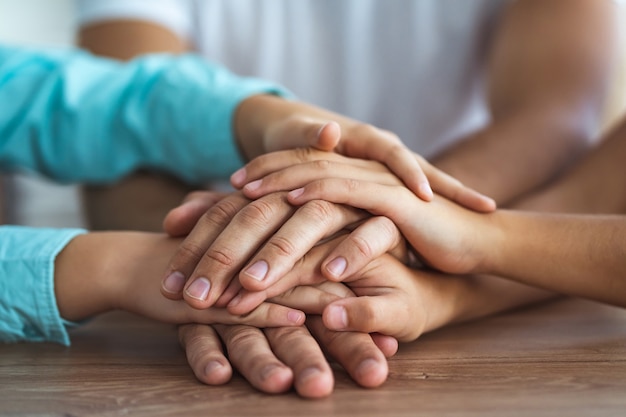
35 201
51 22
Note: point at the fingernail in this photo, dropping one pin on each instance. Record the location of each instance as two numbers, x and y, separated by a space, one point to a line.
253 186
258 270
366 366
296 193
337 266
337 317
295 316
308 373
174 282
212 366
199 289
234 301
425 190
238 177
269 370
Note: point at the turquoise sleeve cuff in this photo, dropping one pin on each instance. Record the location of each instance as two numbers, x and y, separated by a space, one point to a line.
28 307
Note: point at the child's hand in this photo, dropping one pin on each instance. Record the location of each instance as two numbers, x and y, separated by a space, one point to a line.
97 272
444 235
386 297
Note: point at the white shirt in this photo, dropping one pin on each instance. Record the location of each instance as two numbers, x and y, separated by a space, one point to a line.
413 67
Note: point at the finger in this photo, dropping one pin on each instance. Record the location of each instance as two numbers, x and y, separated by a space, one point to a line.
297 349
299 175
302 132
265 315
311 223
181 220
355 352
250 353
328 137
264 165
205 355
236 243
367 242
385 313
454 190
305 272
394 202
372 143
194 247
312 299
388 345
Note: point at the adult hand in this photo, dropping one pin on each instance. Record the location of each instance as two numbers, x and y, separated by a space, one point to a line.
274 360
232 230
284 170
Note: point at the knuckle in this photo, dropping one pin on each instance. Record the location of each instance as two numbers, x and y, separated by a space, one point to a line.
322 165
388 229
319 210
242 337
281 246
190 251
222 213
198 345
352 185
287 335
367 314
303 155
362 246
258 212
222 256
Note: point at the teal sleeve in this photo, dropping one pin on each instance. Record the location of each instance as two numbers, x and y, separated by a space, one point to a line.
28 308
74 117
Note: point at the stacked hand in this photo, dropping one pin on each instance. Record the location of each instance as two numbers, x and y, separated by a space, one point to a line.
240 252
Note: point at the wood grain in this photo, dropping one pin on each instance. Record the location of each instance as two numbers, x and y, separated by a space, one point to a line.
566 358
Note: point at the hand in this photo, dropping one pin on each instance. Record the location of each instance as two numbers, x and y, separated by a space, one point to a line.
232 230
372 238
279 171
266 123
445 235
273 360
97 272
386 297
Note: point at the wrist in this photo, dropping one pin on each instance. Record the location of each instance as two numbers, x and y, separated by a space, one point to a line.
81 283
252 118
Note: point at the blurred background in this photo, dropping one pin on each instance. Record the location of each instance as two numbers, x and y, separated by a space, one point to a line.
36 202
29 200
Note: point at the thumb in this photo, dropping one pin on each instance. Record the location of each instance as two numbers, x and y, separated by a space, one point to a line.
299 132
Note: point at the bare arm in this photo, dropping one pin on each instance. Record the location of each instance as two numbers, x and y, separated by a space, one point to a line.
547 83
123 272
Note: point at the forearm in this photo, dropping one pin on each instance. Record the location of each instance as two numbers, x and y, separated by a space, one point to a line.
577 255
595 185
512 157
452 299
547 85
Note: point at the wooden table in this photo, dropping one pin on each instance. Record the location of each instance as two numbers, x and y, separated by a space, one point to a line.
566 358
